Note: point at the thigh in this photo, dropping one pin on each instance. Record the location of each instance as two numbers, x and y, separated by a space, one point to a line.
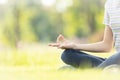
75 57
114 59
93 60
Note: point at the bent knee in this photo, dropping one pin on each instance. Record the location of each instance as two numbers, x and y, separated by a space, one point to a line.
68 56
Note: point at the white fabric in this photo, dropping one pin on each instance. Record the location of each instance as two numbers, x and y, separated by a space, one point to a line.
112 18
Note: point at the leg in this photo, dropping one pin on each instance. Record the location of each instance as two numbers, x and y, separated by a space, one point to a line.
77 59
113 60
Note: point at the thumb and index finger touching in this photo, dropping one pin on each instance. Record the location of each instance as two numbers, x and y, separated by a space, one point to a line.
59 40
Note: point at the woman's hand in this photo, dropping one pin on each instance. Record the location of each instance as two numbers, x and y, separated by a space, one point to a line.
62 43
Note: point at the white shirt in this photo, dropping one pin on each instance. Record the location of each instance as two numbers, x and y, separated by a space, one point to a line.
112 18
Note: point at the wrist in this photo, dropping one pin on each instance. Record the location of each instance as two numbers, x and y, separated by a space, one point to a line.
74 46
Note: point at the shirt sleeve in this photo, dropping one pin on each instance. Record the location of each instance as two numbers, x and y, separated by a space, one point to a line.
106 20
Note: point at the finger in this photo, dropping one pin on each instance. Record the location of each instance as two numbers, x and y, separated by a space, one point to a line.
61 48
54 44
58 39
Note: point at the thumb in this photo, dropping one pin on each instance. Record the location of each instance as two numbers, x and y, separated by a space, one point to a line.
60 38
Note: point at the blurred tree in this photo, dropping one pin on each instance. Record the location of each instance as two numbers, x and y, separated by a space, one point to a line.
81 19
16 23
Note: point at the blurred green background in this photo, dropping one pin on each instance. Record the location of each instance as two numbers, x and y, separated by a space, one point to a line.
41 21
26 28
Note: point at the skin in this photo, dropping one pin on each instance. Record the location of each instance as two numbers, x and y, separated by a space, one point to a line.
103 46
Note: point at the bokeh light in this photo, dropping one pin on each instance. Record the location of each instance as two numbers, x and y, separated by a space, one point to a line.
48 2
3 1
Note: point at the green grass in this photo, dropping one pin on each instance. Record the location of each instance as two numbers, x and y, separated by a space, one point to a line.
42 63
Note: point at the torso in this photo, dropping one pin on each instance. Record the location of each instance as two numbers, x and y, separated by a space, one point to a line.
113 7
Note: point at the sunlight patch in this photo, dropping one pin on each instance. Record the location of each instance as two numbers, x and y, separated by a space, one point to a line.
48 2
3 1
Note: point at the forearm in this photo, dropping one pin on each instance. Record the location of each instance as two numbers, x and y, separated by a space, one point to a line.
104 46
94 47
